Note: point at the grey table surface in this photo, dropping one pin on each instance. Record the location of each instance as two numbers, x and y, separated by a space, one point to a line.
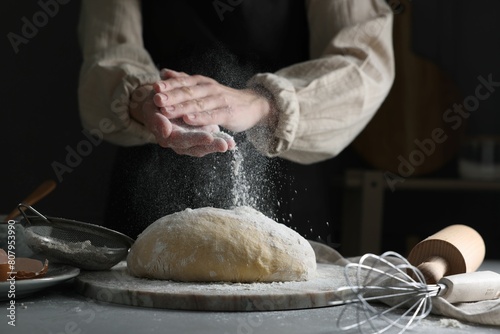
59 310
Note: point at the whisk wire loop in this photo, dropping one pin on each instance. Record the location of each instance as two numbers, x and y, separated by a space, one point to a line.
391 279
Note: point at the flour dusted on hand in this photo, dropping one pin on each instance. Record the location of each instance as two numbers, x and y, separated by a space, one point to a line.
217 245
223 135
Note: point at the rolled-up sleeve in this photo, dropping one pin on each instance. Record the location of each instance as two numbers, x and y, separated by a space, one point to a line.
324 103
115 63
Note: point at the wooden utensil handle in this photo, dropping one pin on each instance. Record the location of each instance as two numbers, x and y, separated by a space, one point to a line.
434 269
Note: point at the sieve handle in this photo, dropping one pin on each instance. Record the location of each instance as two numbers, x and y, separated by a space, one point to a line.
23 207
39 193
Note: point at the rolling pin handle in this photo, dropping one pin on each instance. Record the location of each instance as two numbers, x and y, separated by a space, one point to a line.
433 269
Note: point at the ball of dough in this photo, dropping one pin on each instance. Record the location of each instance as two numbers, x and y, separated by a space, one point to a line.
217 245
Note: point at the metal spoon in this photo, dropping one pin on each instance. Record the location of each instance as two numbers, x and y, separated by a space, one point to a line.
40 192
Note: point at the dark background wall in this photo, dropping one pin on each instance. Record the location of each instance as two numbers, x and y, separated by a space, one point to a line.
39 115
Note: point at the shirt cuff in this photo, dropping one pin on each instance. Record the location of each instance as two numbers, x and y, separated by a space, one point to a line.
272 142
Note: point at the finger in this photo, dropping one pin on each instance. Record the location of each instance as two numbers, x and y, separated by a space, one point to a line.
187 139
231 144
218 146
204 96
167 73
155 122
160 100
181 95
179 125
172 108
161 128
218 116
180 81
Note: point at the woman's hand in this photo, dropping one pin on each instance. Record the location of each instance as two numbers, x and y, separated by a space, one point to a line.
182 138
202 101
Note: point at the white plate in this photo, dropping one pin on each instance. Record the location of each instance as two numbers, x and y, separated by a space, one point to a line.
55 275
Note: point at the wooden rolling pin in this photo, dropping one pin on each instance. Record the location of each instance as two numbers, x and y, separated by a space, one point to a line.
454 250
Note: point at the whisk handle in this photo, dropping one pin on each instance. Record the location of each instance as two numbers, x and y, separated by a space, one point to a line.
434 269
471 287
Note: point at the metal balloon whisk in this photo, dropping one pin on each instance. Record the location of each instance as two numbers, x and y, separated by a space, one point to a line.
389 279
446 264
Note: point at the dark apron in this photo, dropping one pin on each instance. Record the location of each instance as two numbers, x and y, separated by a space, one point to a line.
229 41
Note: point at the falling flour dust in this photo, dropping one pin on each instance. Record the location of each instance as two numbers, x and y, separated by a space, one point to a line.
240 189
241 192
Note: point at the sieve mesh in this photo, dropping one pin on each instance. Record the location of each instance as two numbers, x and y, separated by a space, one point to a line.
75 235
83 245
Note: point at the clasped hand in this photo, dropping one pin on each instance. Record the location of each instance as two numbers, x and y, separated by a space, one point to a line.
183 111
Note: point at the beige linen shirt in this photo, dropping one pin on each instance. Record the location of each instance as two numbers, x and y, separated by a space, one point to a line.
323 103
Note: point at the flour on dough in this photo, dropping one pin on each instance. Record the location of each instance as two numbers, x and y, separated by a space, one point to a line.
217 245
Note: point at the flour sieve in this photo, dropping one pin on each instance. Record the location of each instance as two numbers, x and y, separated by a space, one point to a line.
83 245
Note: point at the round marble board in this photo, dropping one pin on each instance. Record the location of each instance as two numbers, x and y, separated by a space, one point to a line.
117 286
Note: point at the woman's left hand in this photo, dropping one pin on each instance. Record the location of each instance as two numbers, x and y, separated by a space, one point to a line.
202 101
